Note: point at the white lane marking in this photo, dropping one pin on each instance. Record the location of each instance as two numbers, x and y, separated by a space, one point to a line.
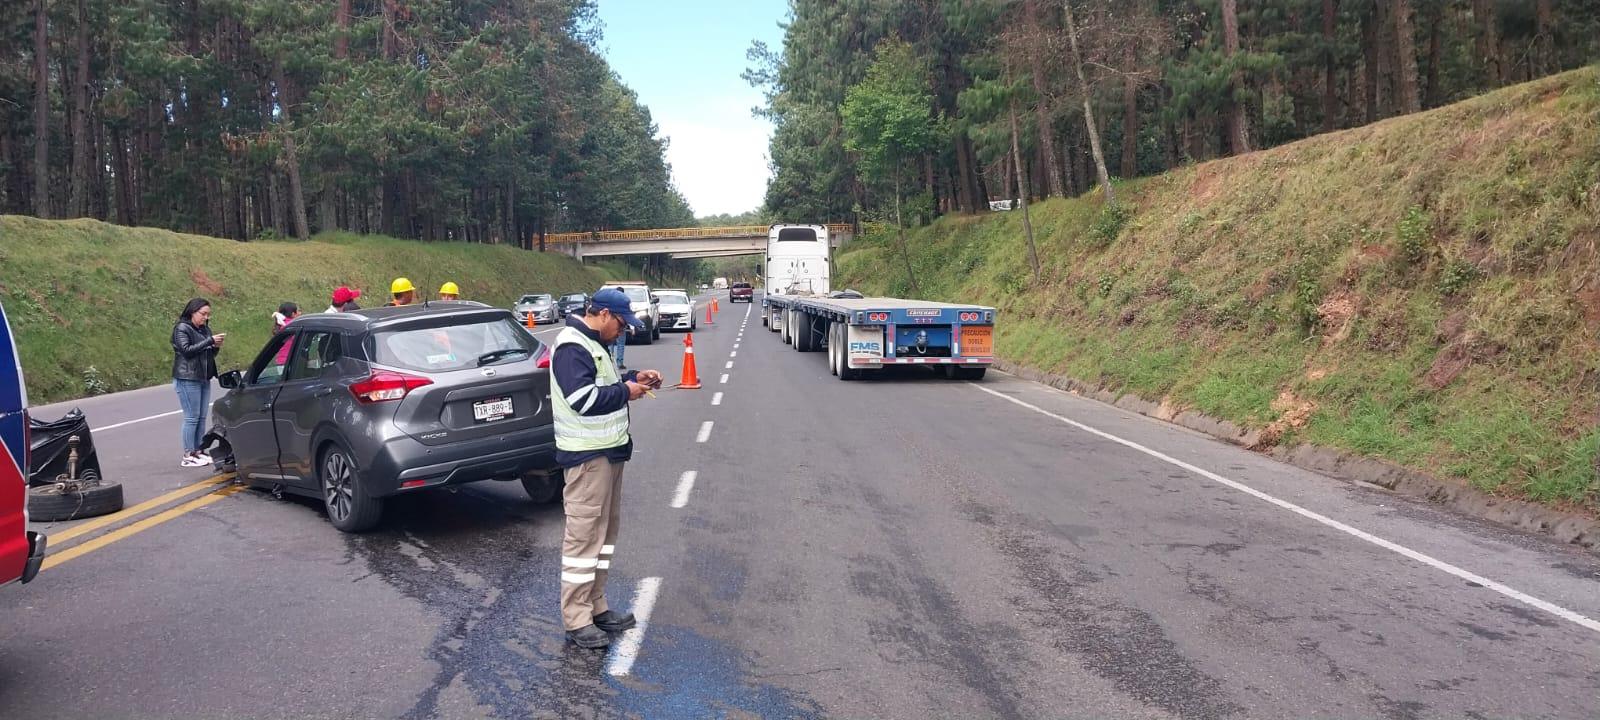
705 432
137 420
680 497
729 366
724 379
1430 561
716 399
736 346
644 601
734 354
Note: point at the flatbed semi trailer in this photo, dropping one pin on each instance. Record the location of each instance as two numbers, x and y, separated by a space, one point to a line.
863 334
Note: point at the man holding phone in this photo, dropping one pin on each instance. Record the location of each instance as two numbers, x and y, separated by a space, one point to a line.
589 398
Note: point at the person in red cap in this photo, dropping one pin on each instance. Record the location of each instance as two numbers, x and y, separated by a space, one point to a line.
344 300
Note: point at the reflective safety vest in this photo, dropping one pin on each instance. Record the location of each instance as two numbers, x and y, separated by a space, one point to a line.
584 433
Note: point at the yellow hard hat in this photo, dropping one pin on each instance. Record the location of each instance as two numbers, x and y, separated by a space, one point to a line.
401 285
449 288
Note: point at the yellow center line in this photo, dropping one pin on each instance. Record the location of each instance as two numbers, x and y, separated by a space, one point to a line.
121 533
123 514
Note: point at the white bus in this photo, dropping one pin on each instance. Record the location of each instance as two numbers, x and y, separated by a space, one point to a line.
797 260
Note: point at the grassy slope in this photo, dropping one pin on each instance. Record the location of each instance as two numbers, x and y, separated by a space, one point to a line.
1422 290
83 294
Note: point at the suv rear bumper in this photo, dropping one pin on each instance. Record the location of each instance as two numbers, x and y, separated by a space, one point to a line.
747 297
507 457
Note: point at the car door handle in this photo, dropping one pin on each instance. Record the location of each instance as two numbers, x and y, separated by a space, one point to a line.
322 392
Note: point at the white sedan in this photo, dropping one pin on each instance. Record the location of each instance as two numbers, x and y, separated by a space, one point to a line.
676 310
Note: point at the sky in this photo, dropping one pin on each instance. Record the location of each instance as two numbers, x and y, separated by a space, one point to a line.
684 58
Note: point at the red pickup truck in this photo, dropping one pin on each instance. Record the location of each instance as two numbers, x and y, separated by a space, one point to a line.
21 549
741 291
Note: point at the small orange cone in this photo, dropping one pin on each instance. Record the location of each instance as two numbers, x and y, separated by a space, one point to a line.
691 377
708 314
531 323
714 306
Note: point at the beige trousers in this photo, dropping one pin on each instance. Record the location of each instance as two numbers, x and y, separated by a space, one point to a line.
593 498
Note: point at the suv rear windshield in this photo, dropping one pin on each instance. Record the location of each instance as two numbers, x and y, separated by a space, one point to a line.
449 347
741 286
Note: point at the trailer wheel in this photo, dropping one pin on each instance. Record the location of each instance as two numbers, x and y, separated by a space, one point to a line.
833 349
845 372
806 338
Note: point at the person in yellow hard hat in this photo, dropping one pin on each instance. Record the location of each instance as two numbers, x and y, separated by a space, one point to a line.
449 291
403 291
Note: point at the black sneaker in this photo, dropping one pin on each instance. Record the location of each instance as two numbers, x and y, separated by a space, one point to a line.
590 637
611 622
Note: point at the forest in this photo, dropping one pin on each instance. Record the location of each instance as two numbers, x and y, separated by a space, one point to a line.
1039 98
487 121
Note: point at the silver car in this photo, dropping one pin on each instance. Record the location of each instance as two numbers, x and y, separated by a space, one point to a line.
356 407
541 307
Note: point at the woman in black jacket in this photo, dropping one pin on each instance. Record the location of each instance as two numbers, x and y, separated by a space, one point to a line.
194 363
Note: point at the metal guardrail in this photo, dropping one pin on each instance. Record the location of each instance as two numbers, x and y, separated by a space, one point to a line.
672 234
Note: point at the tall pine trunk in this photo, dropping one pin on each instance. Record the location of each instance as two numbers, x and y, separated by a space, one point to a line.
900 232
1130 116
41 111
1545 41
1043 110
1330 99
1405 48
1088 104
1238 124
1027 222
296 205
79 203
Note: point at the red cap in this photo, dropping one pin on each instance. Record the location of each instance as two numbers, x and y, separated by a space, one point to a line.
344 294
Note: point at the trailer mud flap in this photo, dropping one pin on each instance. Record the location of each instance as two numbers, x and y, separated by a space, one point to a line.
865 342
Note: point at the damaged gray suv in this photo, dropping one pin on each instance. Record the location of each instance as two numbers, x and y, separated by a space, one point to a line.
355 407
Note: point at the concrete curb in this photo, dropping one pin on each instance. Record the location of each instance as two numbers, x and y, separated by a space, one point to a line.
1567 527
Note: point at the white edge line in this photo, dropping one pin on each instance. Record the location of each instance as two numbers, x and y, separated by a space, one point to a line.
644 601
705 432
716 399
680 497
114 426
1430 561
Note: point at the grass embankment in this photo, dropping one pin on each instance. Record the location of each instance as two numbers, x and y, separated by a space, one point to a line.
92 304
1425 290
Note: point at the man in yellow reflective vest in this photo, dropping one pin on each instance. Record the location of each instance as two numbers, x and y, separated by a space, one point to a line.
589 399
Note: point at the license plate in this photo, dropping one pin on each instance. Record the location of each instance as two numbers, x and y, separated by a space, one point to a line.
977 341
491 410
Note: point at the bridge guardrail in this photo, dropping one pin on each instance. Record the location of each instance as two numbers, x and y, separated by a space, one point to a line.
670 234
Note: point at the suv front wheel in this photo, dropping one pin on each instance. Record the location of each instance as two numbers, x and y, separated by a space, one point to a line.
350 507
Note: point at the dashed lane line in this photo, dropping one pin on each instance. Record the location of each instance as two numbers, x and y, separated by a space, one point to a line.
627 651
680 496
716 399
705 432
1430 561
724 379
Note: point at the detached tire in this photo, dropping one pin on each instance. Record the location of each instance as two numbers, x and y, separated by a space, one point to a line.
46 503
351 507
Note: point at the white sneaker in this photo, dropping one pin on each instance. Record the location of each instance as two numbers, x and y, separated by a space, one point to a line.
203 458
190 461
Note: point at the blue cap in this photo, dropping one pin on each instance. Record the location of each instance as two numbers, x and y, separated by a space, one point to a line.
618 303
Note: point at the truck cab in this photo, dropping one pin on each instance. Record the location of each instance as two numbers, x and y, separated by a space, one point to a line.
797 260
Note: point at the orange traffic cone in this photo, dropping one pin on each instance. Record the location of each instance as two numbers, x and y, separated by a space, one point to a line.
691 377
708 314
531 323
714 306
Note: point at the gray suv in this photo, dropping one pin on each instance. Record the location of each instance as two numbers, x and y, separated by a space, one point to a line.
355 407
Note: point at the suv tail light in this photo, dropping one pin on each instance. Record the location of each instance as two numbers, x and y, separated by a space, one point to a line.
386 385
543 361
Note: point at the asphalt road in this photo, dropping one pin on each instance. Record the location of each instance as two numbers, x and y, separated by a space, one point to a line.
906 547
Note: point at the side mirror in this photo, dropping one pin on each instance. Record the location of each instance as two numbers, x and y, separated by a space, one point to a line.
655 301
231 380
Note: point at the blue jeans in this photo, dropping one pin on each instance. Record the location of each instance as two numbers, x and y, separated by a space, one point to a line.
619 347
195 398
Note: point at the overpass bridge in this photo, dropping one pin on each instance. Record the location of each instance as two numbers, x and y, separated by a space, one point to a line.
699 242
